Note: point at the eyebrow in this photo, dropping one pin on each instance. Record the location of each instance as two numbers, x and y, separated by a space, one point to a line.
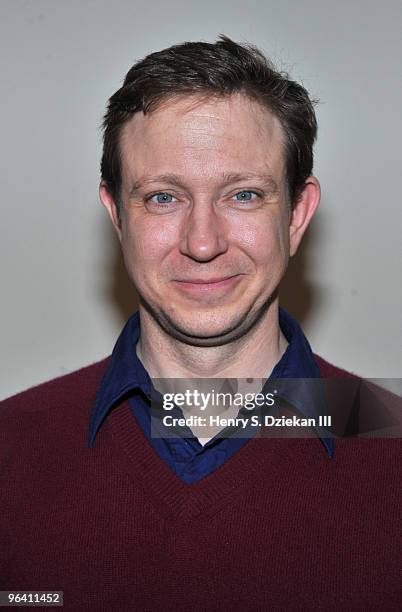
267 181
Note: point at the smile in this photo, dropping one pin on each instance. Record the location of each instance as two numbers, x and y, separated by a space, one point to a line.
200 286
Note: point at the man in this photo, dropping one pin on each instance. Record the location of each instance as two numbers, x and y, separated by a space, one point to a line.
207 178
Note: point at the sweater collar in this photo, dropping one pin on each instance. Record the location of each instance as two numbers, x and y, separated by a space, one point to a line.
126 373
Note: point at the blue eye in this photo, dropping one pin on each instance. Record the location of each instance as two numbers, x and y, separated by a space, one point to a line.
162 198
244 196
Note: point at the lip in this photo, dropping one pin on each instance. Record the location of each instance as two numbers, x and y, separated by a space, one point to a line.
198 285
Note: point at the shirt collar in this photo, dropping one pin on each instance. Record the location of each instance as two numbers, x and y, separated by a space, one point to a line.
125 372
298 364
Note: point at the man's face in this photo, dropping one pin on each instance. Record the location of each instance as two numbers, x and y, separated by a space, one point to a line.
205 220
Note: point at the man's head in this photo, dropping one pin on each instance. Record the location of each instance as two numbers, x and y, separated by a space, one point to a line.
208 185
205 69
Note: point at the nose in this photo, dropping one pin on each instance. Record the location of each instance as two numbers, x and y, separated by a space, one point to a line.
203 235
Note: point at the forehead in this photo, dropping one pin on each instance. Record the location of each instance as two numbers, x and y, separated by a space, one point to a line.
201 137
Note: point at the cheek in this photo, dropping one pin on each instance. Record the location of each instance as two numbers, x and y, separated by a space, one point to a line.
264 239
148 240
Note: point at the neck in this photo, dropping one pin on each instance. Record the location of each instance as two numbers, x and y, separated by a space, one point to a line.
253 355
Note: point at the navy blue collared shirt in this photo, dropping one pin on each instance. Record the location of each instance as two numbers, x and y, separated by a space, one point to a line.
126 378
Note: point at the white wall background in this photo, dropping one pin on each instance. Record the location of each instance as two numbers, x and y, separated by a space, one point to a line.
64 297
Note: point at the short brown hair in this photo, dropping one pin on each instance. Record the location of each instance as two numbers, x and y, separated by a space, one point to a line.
222 68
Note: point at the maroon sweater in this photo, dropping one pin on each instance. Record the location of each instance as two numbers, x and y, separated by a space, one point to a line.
278 527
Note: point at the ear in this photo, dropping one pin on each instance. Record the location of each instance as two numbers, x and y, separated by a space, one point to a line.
303 212
108 202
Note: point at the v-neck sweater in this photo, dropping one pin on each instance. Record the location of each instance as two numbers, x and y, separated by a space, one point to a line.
276 527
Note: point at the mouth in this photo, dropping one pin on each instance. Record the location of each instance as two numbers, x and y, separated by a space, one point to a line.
210 285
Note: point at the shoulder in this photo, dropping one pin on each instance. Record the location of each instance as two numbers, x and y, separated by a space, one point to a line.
328 370
362 409
45 428
39 424
77 387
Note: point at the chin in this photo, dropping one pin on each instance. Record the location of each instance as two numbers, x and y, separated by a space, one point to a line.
206 328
